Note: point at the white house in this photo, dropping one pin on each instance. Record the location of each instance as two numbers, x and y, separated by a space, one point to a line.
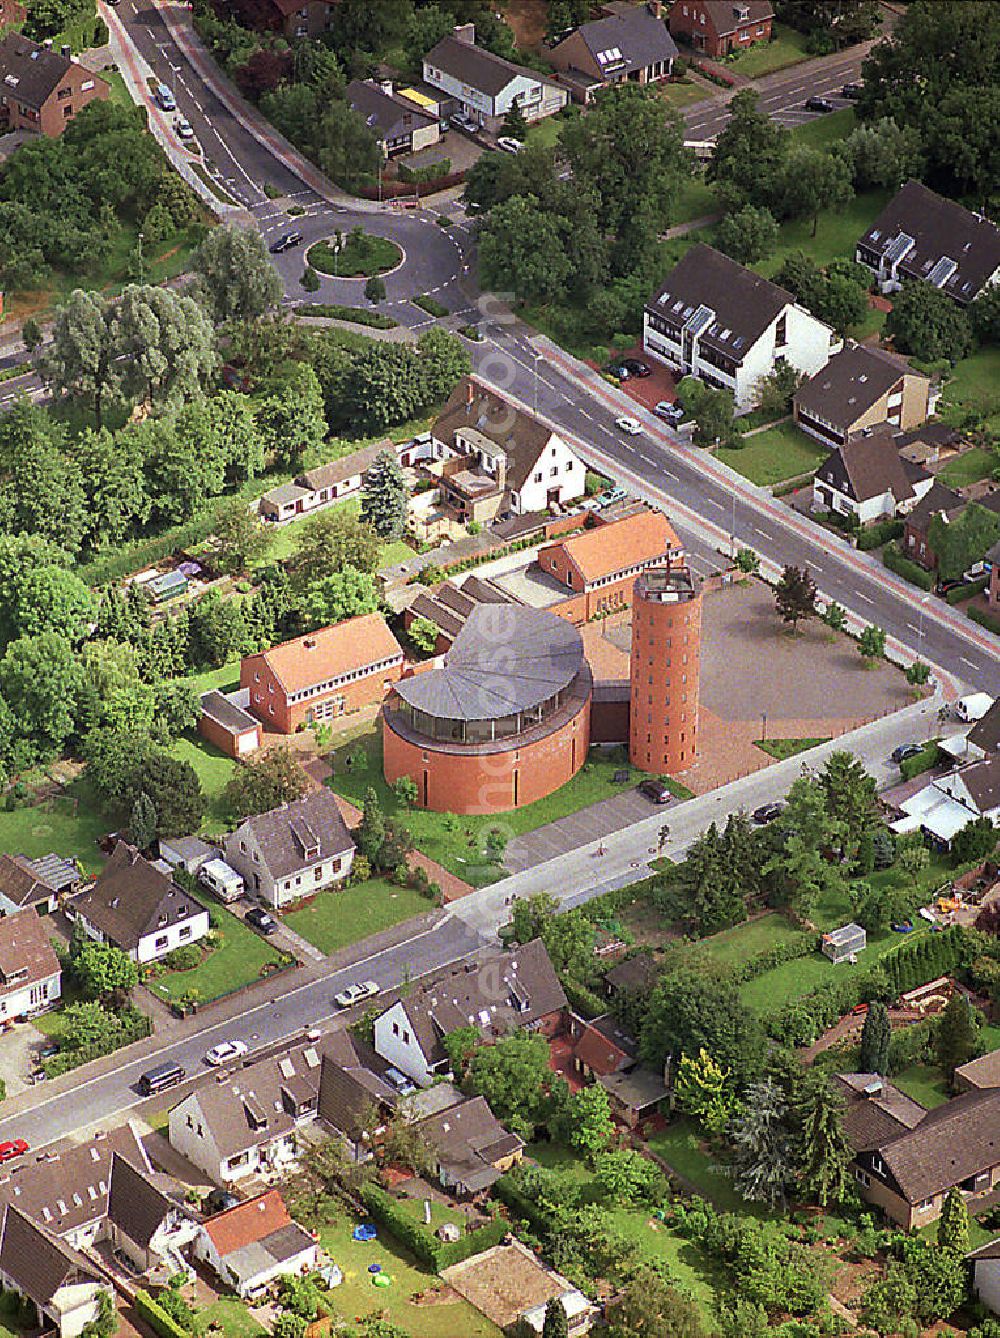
924 237
139 909
868 479
485 87
152 1230
949 803
254 1243
986 1274
64 1286
718 321
30 975
292 851
490 456
510 991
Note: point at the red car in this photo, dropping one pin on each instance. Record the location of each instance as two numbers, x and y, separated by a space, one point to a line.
14 1147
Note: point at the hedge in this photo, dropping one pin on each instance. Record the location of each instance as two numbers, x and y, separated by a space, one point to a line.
508 1193
422 1243
984 619
359 315
582 999
919 762
767 960
874 536
960 593
902 566
157 1318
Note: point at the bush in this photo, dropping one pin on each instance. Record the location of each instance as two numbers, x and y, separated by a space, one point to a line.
893 558
920 762
420 1241
874 536
157 1318
984 619
184 958
963 592
375 320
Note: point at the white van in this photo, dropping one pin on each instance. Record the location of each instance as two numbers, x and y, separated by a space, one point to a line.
973 707
222 879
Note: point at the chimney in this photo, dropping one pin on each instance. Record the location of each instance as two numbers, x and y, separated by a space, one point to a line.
465 32
386 87
470 394
66 50
47 44
655 8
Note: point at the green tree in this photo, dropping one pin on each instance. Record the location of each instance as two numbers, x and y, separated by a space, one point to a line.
824 1152
243 539
773 393
763 1162
52 599
424 633
876 1036
521 248
164 342
703 1090
265 782
851 797
118 502
514 1077
589 1128
458 1046
974 842
748 235
103 972
938 1276
39 680
556 1324
795 596
747 164
514 124
629 1177
344 594
345 146
142 823
926 322
82 358
651 1308
871 644
953 1225
835 616
331 541
234 277
404 789
956 1037
289 1325
798 866
371 833
374 289
384 496
690 1011
881 155
712 411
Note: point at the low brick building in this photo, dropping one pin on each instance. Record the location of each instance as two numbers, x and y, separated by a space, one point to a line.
721 27
323 675
227 723
601 564
42 89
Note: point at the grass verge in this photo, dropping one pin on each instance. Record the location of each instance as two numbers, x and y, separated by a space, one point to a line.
777 453
430 304
356 315
782 748
335 919
358 257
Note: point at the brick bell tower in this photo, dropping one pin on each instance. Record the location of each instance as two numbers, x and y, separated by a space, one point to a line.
664 670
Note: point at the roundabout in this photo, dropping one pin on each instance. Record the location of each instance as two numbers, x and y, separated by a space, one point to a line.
356 255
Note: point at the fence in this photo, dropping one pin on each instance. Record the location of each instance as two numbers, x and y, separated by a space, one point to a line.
183 1010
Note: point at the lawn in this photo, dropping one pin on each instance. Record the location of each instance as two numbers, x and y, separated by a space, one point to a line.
545 132
787 47
968 468
739 944
226 679
778 453
459 842
234 1317
689 1265
214 769
285 539
825 130
335 919
783 748
357 257
836 233
974 384
236 963
924 1083
681 93
696 200
678 1145
68 825
357 1296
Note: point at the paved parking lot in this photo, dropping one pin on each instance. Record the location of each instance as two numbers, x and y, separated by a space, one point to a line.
579 829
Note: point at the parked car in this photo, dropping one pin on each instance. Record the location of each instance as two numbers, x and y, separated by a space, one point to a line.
164 99
13 1147
817 104
225 1053
672 413
221 1200
261 921
636 367
767 813
852 91
184 128
509 145
355 993
612 497
630 426
618 370
943 587
285 242
655 790
904 751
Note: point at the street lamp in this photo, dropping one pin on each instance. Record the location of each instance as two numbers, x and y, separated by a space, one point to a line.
732 531
536 355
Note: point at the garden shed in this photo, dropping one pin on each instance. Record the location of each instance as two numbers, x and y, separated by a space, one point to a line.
844 944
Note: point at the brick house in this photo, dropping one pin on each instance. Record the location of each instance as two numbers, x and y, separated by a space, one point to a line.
599 565
323 675
632 45
226 722
42 89
719 28
861 387
294 18
906 1158
939 501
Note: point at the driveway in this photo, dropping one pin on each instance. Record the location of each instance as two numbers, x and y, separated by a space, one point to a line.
17 1055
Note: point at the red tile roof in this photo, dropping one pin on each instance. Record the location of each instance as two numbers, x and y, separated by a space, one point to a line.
607 549
331 652
248 1223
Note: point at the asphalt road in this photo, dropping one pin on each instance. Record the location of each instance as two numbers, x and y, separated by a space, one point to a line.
712 503
783 95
